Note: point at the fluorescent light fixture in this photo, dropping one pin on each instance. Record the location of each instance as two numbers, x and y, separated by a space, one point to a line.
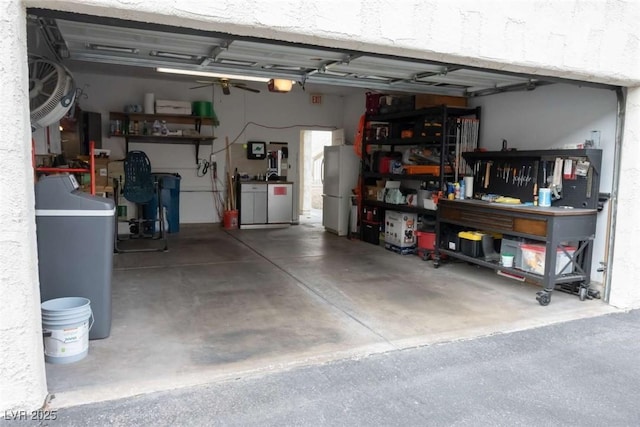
210 74
173 55
237 62
106 48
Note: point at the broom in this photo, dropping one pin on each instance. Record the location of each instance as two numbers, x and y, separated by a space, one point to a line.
231 200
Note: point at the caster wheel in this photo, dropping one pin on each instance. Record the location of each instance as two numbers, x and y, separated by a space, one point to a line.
544 298
436 264
583 294
593 294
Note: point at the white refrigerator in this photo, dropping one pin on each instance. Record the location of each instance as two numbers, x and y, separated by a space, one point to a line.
339 177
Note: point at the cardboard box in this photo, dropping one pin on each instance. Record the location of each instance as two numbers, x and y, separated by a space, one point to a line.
101 191
371 192
101 172
115 170
173 107
399 229
429 100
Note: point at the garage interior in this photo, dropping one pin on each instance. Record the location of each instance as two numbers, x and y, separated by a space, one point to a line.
223 303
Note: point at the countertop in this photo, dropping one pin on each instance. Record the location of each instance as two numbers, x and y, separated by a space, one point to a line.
253 181
539 210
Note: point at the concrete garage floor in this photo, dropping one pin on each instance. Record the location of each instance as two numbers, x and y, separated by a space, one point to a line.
222 305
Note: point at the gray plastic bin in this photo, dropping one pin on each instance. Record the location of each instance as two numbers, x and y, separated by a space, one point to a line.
75 232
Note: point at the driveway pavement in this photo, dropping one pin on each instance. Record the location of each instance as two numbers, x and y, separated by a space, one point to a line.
579 373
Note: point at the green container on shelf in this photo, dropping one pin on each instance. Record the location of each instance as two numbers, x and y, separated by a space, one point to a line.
202 108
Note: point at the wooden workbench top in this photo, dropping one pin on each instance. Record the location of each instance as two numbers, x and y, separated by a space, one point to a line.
537 210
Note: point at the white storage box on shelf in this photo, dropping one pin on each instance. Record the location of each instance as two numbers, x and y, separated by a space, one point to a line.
173 107
532 259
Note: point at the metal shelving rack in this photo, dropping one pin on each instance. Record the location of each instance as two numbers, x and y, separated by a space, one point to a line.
197 121
445 143
91 170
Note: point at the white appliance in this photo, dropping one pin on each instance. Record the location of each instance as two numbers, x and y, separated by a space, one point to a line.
339 177
279 203
400 229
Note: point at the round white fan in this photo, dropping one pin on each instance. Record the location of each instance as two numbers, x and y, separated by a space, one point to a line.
51 91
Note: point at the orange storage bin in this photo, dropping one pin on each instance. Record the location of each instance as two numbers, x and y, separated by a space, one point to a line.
425 169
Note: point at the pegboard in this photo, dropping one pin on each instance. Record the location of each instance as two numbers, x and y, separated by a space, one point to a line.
507 177
519 174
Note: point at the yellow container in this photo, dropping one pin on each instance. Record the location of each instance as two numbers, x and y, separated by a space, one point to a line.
471 235
471 243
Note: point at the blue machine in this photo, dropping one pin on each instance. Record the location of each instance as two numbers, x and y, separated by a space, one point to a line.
170 184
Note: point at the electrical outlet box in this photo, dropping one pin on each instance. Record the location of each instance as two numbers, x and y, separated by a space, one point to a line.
213 158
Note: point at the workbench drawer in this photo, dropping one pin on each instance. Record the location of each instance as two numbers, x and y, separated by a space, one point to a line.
480 220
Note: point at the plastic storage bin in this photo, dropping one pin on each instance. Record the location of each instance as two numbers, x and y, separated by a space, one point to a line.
449 239
471 243
511 245
371 232
533 259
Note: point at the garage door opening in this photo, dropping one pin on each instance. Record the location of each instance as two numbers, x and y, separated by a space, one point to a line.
311 174
222 304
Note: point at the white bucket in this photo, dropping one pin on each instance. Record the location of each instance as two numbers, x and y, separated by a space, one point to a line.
65 329
507 260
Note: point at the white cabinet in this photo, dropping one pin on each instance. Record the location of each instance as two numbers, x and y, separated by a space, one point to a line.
265 203
253 204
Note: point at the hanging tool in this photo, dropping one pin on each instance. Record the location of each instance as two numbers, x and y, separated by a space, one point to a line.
536 165
487 174
557 172
589 182
521 177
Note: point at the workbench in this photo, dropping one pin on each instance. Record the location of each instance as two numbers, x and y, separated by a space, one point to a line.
554 226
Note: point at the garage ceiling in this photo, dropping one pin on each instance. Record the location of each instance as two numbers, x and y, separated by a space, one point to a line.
82 39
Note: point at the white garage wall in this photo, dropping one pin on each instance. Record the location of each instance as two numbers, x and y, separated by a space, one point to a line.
292 111
22 375
354 107
556 116
625 291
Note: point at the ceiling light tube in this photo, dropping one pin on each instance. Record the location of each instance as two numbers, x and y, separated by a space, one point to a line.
119 49
173 55
210 74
